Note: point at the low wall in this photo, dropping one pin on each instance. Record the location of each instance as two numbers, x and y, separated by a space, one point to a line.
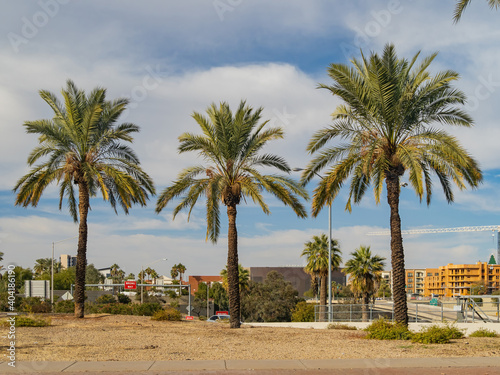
467 327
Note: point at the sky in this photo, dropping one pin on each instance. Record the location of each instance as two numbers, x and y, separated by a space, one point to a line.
173 58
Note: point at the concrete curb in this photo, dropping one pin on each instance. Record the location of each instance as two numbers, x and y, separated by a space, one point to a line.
40 367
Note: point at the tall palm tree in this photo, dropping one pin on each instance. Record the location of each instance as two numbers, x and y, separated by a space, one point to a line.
462 4
230 144
365 272
316 253
42 265
148 271
182 269
82 146
387 127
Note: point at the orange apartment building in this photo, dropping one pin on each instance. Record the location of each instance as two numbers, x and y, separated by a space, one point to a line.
456 279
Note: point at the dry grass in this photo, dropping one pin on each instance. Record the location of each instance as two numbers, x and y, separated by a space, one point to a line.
133 338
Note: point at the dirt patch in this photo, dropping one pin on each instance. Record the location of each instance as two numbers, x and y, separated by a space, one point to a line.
138 338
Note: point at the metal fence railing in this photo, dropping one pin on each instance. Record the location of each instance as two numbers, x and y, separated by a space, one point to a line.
460 311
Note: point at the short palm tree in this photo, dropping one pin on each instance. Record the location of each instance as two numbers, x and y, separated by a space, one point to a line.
174 272
462 4
83 148
364 270
316 253
386 125
230 145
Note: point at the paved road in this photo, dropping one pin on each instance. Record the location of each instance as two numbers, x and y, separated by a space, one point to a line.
380 366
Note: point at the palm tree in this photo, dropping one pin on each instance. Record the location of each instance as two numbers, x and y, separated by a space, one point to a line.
230 144
174 272
182 269
386 125
148 271
83 148
316 253
42 266
365 272
462 4
243 278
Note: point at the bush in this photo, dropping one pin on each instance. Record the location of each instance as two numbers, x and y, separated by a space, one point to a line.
381 329
169 314
105 298
35 305
115 309
67 307
28 321
341 326
146 309
303 312
122 298
4 301
437 335
483 332
202 318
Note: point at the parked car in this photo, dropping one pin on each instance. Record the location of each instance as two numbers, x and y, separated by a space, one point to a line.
218 318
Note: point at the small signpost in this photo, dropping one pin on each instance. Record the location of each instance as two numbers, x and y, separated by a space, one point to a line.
189 317
130 284
222 313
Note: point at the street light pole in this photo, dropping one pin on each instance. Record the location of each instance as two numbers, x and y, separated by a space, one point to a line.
329 251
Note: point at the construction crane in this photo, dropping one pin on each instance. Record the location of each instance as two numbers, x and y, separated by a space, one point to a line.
493 228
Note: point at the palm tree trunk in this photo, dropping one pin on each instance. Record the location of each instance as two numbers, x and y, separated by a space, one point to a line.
233 279
364 307
397 252
322 298
81 256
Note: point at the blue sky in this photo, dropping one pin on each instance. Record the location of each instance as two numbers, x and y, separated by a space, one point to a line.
173 58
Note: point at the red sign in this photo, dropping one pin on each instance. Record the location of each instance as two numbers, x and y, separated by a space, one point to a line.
189 317
130 285
222 313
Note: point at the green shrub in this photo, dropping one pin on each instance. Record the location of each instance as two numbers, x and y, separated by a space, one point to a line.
115 309
64 307
341 326
169 314
122 298
381 329
483 332
202 318
27 321
35 305
303 312
146 309
437 335
4 301
105 298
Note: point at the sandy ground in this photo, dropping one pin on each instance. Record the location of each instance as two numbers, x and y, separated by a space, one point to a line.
133 338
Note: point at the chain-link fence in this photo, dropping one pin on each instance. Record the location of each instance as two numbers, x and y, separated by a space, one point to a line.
464 310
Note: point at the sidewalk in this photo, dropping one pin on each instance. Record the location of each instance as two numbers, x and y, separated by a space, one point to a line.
428 366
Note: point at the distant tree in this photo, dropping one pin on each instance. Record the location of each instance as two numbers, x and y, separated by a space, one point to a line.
219 295
364 270
316 253
270 301
384 290
130 276
243 278
42 265
93 276
174 272
181 268
21 275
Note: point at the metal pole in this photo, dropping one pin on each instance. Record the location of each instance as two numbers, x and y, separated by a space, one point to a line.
189 299
142 285
330 262
52 279
208 302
